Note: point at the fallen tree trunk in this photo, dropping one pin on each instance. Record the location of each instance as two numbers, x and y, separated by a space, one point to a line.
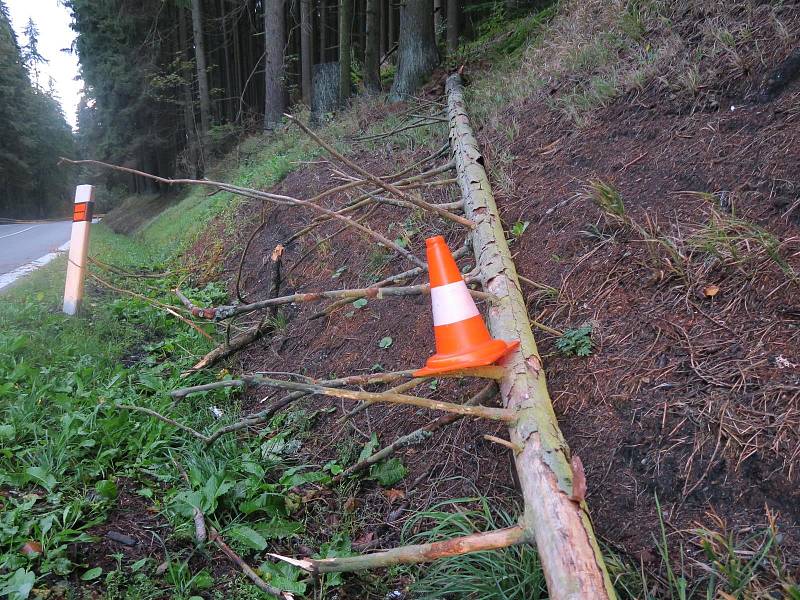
552 482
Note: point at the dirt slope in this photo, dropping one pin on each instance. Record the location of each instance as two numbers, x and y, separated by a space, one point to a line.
685 396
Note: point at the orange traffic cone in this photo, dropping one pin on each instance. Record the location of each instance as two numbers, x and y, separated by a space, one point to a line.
462 340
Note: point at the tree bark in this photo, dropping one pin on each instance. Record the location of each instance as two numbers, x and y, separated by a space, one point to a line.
438 17
555 511
372 75
229 106
202 68
384 22
345 22
237 71
274 72
325 98
453 24
391 29
306 49
418 55
188 100
323 31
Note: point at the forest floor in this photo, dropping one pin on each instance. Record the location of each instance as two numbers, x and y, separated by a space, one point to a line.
649 188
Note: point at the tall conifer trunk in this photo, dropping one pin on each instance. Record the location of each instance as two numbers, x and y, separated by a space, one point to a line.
274 72
418 55
202 69
345 58
372 76
438 17
323 31
306 49
229 102
188 101
383 17
453 24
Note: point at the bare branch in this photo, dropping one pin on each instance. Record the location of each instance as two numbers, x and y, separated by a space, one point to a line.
267 414
258 195
363 199
378 293
379 182
200 534
151 302
161 417
421 553
462 251
418 435
256 379
485 412
246 569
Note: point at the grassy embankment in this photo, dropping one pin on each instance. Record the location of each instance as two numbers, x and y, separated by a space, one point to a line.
68 453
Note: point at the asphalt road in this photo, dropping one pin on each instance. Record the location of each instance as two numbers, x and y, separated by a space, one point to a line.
24 242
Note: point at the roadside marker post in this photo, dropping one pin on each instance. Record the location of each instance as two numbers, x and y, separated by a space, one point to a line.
79 248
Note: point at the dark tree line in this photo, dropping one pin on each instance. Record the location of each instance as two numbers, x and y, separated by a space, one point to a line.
169 82
33 131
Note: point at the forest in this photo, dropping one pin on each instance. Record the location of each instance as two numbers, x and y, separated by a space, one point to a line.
170 85
33 130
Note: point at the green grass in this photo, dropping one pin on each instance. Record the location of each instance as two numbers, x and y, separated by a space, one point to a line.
743 565
506 574
67 451
179 225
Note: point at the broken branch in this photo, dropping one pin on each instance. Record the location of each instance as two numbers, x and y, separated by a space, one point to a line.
255 379
421 553
418 435
379 182
379 293
165 419
258 195
485 412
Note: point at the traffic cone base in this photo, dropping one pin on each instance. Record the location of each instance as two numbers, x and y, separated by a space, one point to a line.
486 354
462 340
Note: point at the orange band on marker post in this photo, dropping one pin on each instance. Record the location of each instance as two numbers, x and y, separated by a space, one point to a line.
462 339
82 211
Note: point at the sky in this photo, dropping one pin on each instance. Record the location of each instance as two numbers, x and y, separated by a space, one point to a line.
53 21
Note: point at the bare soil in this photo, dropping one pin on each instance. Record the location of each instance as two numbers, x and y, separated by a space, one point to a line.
685 396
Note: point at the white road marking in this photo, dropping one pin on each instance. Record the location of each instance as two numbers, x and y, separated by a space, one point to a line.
17 232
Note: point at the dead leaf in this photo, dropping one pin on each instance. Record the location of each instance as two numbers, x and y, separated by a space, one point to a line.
394 494
710 291
351 504
31 548
646 556
365 540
